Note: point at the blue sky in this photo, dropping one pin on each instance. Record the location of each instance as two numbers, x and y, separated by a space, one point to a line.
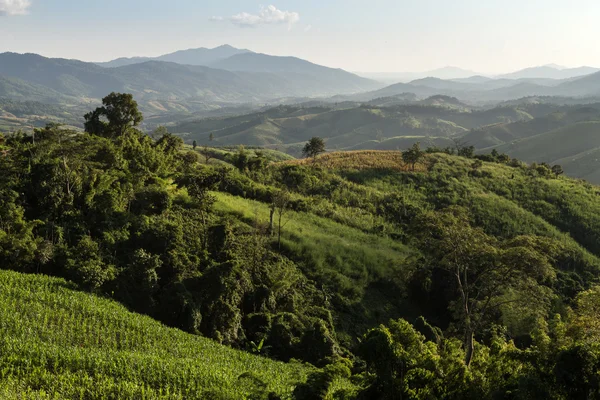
486 36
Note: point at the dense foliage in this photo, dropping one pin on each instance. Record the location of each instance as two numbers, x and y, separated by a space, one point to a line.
416 275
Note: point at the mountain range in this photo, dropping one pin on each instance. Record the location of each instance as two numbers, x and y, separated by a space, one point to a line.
550 71
532 130
201 56
259 78
200 79
483 90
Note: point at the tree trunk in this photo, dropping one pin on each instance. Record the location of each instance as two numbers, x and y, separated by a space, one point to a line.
279 233
271 228
469 346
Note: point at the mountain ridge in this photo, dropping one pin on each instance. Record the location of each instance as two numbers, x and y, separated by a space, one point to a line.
194 56
168 80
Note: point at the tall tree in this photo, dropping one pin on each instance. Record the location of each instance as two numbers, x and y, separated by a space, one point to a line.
413 155
487 274
314 147
118 113
557 170
279 206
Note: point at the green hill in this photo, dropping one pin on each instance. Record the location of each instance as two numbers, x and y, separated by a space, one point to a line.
574 140
364 127
57 342
527 131
390 272
487 136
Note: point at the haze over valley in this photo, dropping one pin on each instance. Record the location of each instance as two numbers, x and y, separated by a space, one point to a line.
246 91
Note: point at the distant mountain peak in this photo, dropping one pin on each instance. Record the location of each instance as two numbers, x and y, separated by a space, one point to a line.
450 72
555 66
550 71
226 46
200 56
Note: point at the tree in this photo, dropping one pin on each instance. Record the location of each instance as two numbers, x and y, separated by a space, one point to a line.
211 137
279 206
119 112
208 155
557 170
413 155
240 158
314 147
194 145
463 149
487 275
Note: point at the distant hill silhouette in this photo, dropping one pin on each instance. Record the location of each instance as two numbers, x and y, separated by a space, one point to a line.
550 72
153 80
201 56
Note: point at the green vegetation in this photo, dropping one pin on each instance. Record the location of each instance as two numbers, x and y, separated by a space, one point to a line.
314 147
434 273
577 141
57 342
527 131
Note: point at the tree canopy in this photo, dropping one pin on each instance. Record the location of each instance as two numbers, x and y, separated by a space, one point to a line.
118 113
313 147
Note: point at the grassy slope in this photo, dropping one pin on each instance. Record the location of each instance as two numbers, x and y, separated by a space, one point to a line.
369 267
356 127
498 134
557 144
338 255
70 344
356 255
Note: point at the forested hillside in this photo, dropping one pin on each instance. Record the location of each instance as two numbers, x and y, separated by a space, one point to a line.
348 126
418 274
527 130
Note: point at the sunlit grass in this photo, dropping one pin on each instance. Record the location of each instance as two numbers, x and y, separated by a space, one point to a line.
348 256
56 342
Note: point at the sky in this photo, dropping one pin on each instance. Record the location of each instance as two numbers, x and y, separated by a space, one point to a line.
485 36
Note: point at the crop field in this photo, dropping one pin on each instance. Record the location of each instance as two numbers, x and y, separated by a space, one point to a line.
59 343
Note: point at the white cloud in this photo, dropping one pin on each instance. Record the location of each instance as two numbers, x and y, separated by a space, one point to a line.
216 19
267 15
14 7
307 28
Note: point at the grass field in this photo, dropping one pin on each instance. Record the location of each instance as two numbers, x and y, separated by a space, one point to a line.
59 343
361 159
317 241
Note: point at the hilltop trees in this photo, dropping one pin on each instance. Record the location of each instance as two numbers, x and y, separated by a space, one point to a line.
557 170
314 147
413 155
118 113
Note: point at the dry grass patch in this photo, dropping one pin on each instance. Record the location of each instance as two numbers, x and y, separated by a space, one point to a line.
361 159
